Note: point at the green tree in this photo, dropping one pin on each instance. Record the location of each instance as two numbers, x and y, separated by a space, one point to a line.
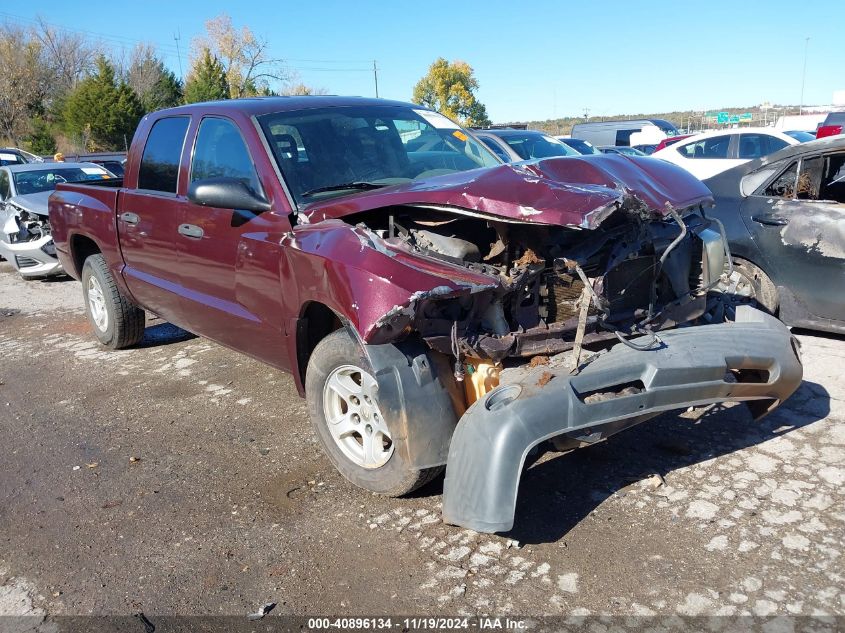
156 86
243 56
102 111
449 88
41 139
207 80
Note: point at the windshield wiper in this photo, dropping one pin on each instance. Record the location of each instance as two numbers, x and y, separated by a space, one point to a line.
363 186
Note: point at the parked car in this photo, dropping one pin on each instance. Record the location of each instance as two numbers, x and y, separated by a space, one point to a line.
386 258
709 153
624 151
25 238
12 156
516 145
670 140
785 222
582 147
620 132
832 125
646 149
801 136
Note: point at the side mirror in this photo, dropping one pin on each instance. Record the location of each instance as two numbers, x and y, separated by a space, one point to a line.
226 193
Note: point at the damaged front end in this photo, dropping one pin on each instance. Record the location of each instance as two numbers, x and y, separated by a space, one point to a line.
490 360
26 240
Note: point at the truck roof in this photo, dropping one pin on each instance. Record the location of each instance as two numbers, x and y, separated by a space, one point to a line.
255 106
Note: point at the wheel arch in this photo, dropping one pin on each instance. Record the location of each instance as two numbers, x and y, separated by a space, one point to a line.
316 321
81 248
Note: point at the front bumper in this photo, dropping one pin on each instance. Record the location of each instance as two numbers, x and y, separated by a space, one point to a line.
753 360
29 259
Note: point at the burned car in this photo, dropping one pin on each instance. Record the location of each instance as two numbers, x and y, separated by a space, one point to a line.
25 238
435 306
784 215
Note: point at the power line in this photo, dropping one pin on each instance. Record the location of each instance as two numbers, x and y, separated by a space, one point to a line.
175 50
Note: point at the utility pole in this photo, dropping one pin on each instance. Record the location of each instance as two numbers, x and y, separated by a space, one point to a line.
176 38
375 76
803 76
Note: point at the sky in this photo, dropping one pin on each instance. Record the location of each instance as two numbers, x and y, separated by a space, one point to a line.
533 61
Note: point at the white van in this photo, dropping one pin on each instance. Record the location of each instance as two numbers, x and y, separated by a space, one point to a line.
620 132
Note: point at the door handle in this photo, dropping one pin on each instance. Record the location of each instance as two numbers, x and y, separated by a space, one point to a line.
191 230
770 220
130 218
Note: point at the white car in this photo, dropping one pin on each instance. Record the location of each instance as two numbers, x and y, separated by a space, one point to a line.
710 153
25 237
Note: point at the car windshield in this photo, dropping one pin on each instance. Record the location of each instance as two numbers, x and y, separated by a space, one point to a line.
337 151
580 146
530 146
800 136
38 180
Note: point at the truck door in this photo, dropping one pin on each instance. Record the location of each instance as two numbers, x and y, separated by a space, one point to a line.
229 258
797 221
148 219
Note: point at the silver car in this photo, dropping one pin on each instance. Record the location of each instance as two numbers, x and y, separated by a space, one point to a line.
25 238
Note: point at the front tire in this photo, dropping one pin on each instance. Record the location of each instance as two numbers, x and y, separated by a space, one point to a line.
342 396
747 285
117 322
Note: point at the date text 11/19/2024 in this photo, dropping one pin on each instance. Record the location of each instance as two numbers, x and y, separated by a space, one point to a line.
417 624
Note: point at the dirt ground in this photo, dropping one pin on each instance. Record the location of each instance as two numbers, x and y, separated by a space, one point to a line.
182 478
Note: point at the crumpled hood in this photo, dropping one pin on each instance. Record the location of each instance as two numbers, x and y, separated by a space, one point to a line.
32 202
571 191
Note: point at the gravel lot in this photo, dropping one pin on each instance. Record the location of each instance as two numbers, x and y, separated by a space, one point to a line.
182 478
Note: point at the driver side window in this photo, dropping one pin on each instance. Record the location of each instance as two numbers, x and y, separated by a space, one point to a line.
220 152
784 185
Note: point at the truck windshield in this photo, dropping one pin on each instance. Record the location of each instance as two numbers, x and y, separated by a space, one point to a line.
325 152
38 180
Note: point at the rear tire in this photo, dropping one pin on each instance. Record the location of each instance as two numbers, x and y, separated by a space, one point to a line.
117 322
342 397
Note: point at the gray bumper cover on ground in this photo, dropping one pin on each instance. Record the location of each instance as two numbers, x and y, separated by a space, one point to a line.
493 438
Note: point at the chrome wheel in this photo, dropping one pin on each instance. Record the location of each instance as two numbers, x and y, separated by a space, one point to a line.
355 422
97 304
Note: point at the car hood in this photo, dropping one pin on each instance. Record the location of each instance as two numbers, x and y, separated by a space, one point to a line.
570 191
33 202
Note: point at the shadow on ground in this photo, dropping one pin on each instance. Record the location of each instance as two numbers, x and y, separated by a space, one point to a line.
556 494
164 333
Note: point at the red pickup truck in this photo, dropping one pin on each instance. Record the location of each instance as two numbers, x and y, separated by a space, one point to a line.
435 306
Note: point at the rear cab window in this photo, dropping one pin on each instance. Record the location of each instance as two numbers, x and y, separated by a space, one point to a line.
159 169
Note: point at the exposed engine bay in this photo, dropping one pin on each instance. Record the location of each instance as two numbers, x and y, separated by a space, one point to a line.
30 227
553 287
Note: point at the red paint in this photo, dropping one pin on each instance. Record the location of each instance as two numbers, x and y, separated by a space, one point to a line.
828 130
249 279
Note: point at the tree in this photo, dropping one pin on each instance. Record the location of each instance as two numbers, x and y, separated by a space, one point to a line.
207 80
156 86
41 139
450 89
244 57
301 89
23 84
102 110
68 57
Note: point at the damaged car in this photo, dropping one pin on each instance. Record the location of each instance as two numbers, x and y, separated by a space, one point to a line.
784 216
436 307
25 236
